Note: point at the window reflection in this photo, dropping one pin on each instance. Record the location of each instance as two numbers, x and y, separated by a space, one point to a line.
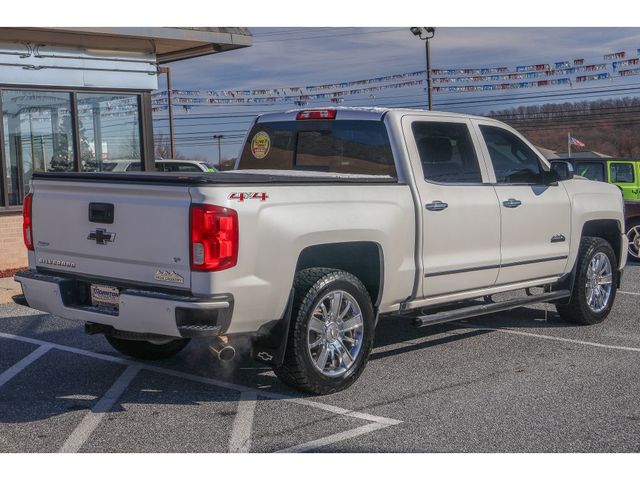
109 131
38 136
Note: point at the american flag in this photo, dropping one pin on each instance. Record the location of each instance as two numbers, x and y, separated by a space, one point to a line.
576 142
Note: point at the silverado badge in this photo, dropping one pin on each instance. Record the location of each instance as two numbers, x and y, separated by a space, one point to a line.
56 263
166 276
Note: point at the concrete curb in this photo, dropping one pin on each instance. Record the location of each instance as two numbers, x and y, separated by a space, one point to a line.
8 288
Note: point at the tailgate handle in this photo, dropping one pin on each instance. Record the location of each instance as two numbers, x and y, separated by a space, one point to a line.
101 212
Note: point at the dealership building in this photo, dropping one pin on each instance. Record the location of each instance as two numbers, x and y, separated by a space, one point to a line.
79 99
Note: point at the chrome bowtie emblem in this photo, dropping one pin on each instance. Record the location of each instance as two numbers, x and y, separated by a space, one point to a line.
101 236
265 356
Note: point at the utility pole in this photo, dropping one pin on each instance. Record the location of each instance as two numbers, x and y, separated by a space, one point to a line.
426 34
167 71
219 137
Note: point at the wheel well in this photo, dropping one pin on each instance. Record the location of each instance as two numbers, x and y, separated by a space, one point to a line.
606 229
362 259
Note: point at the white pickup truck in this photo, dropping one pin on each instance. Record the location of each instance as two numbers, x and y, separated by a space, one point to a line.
331 218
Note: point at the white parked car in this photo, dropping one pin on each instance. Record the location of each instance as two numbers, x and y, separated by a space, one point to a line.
331 219
161 165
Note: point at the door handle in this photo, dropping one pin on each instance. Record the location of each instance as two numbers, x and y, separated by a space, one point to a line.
436 206
512 203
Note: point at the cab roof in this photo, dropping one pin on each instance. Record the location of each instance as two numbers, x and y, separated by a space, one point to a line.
357 113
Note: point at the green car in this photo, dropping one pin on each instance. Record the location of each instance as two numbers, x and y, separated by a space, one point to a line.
625 174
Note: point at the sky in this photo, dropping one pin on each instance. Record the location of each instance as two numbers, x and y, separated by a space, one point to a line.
290 56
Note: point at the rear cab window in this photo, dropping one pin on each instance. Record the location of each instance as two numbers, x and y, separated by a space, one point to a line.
334 146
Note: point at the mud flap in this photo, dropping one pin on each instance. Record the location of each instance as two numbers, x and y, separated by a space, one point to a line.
270 342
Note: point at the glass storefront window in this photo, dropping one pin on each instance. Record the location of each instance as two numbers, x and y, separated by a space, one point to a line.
38 137
109 128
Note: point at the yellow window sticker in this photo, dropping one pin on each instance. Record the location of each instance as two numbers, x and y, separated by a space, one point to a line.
260 145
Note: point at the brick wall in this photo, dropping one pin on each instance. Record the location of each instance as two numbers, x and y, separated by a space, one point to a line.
13 253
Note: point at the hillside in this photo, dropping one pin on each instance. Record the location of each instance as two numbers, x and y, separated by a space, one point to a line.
611 127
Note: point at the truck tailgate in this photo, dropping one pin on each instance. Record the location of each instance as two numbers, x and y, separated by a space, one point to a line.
146 241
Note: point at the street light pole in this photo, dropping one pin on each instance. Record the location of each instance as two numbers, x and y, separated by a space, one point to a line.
219 137
426 34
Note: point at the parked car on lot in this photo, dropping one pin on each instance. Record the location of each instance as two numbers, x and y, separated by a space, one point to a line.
161 166
331 219
625 174
185 166
632 222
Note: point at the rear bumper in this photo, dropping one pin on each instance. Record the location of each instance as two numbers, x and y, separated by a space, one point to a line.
141 311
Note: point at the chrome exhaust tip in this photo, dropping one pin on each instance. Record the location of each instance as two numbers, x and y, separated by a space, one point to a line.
222 350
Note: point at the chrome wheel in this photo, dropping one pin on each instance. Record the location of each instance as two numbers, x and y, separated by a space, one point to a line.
634 241
335 333
599 282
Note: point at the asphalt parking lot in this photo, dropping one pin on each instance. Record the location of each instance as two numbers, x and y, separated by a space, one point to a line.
511 382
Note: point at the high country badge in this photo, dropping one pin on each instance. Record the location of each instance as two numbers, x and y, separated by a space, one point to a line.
167 276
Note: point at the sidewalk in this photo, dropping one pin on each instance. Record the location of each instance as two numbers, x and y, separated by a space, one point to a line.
8 288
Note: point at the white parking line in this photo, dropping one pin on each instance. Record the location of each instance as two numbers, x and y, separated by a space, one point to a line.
628 293
338 437
243 424
378 422
91 421
549 337
24 363
208 381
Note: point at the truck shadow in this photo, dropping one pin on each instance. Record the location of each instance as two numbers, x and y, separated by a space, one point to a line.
399 331
61 382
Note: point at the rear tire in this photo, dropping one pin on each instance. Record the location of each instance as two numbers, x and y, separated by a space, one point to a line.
331 334
594 288
145 350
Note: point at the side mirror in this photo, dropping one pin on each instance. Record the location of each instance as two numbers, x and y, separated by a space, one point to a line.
562 170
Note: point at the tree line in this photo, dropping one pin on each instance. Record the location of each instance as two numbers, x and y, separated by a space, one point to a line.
610 126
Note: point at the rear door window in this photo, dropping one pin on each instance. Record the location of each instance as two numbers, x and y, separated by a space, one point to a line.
446 152
342 146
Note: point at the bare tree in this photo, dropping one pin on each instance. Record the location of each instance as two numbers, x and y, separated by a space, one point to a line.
162 146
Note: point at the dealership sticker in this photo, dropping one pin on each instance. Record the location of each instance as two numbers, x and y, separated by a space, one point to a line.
260 145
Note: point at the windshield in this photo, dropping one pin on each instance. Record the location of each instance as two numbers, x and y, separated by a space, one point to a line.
208 167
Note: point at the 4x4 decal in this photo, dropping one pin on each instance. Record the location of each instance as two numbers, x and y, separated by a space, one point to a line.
242 196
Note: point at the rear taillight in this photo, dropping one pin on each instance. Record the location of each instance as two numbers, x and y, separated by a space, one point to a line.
27 223
214 238
326 114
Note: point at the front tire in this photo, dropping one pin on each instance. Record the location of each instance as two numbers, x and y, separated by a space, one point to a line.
145 350
332 333
594 288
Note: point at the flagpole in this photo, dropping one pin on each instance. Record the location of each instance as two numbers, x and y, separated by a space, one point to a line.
569 143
